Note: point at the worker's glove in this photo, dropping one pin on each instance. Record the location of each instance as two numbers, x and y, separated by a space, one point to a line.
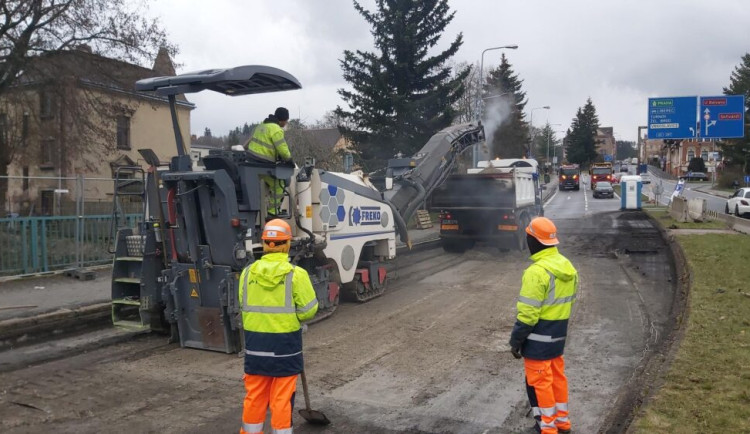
516 352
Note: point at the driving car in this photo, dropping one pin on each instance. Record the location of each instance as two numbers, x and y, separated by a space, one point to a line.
694 176
603 189
739 203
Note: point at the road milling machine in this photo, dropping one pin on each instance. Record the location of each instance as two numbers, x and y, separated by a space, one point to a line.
178 270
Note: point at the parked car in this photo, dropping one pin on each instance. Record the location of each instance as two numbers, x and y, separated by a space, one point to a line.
739 203
624 168
694 176
645 178
603 189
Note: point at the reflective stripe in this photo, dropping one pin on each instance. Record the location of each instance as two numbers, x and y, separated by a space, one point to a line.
548 411
563 419
252 428
309 306
551 301
535 411
561 300
264 144
260 156
283 431
561 406
544 338
530 301
277 228
268 309
278 142
288 302
270 354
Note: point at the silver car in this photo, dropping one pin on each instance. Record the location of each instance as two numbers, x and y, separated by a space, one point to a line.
603 189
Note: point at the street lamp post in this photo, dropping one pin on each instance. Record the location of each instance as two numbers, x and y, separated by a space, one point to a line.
531 127
479 90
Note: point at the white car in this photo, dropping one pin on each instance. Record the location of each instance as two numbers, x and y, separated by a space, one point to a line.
645 178
739 203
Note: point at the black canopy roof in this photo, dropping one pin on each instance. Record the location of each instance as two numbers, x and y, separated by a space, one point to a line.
241 80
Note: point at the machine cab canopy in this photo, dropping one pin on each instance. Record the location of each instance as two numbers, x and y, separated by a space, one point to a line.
240 80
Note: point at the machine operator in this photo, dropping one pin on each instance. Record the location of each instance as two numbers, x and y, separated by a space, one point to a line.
269 145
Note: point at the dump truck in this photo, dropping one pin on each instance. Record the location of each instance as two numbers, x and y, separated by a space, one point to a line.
493 202
600 172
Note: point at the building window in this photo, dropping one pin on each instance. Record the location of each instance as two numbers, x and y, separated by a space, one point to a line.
691 155
704 154
45 105
123 133
47 153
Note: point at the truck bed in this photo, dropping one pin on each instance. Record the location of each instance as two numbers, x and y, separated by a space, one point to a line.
482 191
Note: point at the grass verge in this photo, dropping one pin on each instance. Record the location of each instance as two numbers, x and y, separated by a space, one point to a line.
662 216
707 388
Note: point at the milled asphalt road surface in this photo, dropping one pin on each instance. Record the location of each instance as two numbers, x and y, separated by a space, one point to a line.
428 356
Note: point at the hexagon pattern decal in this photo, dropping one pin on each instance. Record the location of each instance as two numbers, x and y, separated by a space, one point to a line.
332 211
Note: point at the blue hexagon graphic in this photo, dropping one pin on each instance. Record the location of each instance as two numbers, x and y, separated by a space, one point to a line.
341 213
332 190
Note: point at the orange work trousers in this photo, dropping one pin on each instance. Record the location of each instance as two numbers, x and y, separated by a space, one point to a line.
547 388
264 392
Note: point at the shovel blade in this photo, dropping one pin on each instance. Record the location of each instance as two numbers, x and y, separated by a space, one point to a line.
314 417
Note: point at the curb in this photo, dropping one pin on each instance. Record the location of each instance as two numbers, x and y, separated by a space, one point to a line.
23 330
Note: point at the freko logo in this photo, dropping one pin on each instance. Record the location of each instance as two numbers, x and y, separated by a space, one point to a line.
365 215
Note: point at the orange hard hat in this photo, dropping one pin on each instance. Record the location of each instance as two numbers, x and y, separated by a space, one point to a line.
543 230
277 230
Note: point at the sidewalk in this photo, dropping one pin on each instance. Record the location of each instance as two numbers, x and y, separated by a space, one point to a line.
704 187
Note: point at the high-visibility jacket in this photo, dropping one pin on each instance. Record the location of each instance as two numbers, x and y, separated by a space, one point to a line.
268 143
548 291
275 296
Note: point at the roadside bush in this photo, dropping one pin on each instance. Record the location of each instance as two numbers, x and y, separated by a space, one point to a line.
729 174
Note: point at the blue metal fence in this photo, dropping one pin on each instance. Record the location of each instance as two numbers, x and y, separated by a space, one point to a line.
40 244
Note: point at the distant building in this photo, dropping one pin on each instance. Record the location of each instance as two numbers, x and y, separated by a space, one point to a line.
677 156
606 143
76 112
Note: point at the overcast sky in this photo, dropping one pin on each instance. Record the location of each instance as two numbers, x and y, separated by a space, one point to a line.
618 52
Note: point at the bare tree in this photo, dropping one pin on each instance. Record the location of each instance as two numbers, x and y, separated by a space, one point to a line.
466 106
33 30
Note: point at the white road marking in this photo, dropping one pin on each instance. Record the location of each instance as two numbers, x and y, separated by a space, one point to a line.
585 199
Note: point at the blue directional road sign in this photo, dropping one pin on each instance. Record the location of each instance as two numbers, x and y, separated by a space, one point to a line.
672 118
722 117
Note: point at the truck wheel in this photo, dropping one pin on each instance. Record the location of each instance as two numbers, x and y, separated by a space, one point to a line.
521 234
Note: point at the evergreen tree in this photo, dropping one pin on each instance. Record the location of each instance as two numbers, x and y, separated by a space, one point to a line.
581 141
625 149
738 150
400 95
508 131
545 141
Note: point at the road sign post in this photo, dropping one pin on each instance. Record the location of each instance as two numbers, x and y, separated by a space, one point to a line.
672 118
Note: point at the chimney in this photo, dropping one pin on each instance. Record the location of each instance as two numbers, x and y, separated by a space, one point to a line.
163 63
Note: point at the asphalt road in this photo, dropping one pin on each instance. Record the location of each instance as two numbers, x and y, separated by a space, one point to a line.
430 356
691 191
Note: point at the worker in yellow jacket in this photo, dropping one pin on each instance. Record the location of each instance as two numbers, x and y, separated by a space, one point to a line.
274 296
548 290
268 144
